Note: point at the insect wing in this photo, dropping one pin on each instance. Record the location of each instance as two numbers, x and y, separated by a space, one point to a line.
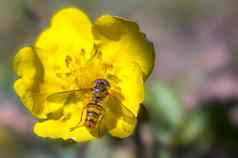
59 97
127 115
118 108
105 123
66 96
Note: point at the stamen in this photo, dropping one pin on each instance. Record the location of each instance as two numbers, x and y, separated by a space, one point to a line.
96 54
68 61
83 51
62 75
93 56
107 67
68 74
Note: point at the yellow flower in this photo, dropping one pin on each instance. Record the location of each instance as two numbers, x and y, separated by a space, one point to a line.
58 75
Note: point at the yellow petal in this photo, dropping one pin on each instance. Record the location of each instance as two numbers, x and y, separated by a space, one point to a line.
66 43
29 68
132 90
81 134
131 86
123 129
50 129
61 128
70 30
31 87
120 40
52 65
24 63
58 129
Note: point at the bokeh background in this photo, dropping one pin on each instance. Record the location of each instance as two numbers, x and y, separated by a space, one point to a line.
191 98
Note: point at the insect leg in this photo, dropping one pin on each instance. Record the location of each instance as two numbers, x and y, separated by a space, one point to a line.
81 122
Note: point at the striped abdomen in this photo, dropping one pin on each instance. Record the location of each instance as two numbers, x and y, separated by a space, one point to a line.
94 113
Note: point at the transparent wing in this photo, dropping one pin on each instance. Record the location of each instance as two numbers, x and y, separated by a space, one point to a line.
117 107
127 115
66 96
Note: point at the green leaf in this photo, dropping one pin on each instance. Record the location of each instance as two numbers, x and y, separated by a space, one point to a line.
164 105
166 112
193 128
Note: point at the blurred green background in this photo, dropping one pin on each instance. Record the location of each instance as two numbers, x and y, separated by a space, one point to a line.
191 98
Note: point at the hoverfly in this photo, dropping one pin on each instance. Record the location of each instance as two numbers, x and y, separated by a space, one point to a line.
96 117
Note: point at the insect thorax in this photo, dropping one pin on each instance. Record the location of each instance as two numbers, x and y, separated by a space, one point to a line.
100 90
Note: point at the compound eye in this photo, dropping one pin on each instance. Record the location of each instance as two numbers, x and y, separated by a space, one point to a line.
101 83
